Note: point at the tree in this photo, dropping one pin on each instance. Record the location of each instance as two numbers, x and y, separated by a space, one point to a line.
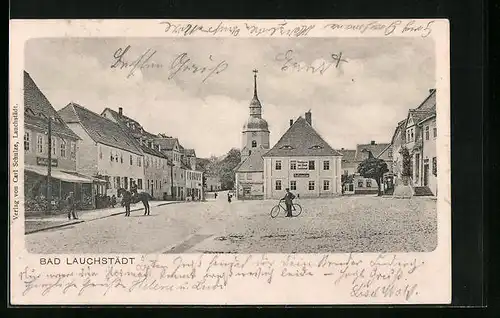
406 171
226 168
373 168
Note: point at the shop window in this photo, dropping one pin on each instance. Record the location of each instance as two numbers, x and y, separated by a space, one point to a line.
293 185
311 185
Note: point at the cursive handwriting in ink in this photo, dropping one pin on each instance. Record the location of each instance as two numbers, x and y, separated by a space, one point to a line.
183 64
141 62
291 64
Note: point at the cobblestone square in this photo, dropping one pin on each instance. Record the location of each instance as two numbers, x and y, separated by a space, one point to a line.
336 225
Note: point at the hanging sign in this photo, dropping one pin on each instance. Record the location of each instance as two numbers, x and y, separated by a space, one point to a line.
45 161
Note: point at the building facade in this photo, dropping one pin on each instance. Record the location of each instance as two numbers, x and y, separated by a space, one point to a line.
418 133
213 184
194 176
249 173
302 161
171 147
157 179
64 154
106 150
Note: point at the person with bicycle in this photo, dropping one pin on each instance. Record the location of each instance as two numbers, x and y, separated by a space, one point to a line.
288 198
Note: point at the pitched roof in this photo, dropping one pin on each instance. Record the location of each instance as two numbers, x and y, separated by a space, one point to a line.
429 103
348 154
38 109
100 129
129 124
190 152
301 140
151 151
253 163
376 150
167 143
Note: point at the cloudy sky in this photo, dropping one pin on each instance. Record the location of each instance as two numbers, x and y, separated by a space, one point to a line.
360 99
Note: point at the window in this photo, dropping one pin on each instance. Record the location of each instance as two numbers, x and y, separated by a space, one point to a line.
389 153
39 143
326 185
139 161
63 148
254 144
434 132
121 157
293 165
54 146
249 176
111 158
125 182
116 184
108 183
360 183
346 172
73 150
426 132
326 165
131 160
311 164
434 166
368 183
27 141
293 185
278 184
311 185
156 184
411 133
417 166
278 164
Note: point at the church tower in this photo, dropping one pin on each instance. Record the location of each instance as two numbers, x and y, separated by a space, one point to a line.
255 134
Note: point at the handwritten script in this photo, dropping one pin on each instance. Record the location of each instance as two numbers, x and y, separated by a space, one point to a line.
382 276
289 63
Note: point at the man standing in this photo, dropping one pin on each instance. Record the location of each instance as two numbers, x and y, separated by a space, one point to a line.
288 198
71 206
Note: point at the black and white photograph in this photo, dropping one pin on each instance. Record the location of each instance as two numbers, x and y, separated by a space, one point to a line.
221 162
230 145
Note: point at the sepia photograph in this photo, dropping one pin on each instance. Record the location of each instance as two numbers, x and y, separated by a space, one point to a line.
230 145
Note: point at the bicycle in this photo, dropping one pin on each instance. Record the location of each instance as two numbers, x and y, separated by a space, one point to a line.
296 209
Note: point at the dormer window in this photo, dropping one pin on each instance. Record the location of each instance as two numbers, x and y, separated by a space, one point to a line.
254 143
316 147
286 147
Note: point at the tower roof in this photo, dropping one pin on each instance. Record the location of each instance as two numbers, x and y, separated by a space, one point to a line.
255 122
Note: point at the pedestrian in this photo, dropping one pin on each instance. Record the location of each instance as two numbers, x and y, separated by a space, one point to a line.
113 200
229 197
288 198
71 206
215 194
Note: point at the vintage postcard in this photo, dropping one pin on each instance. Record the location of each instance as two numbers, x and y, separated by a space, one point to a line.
230 162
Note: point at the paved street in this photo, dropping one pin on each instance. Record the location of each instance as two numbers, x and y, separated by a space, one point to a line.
344 224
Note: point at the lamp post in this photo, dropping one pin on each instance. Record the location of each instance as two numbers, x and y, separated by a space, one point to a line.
49 167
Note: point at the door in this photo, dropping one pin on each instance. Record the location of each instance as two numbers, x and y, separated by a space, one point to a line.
426 175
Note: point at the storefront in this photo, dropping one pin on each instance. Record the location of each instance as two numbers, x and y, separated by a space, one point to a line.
62 183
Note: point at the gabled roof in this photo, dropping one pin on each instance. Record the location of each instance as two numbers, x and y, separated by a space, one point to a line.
429 104
190 152
100 129
151 151
301 140
253 163
348 154
376 150
128 124
167 143
38 109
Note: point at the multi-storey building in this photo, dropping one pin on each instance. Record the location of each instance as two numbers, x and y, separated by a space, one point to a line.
106 150
64 152
302 161
171 147
157 170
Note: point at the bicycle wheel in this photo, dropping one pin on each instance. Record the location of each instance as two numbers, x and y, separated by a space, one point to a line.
275 211
296 209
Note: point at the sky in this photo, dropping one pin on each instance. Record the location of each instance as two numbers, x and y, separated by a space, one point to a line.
355 101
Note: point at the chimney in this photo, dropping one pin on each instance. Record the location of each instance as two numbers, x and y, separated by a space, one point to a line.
373 142
309 117
120 111
291 122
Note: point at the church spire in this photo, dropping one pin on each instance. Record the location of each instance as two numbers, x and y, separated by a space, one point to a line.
255 71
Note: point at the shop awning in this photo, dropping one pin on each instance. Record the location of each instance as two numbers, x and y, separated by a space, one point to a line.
57 174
